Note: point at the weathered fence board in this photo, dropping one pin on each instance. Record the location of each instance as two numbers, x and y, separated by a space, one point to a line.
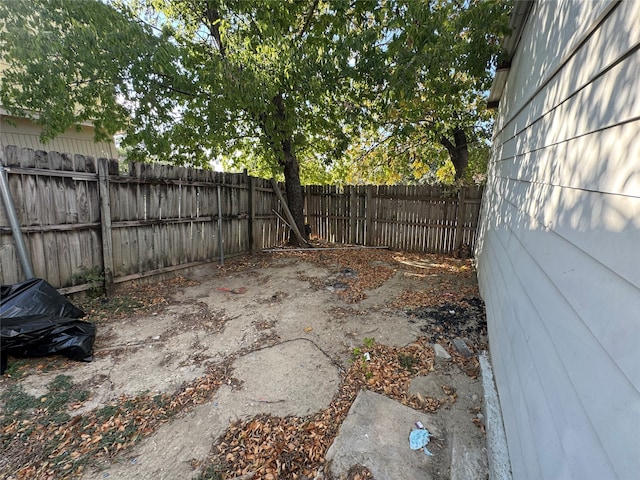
412 218
156 218
80 213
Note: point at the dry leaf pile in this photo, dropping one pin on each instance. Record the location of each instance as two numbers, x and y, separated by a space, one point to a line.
39 446
136 300
373 267
434 263
295 447
244 263
358 269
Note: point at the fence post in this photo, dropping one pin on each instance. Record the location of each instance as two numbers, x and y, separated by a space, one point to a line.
460 216
368 215
353 213
252 214
105 224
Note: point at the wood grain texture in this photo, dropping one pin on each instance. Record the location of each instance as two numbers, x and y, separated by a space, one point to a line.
411 218
157 217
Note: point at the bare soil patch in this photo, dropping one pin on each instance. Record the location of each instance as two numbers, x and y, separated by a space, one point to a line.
248 369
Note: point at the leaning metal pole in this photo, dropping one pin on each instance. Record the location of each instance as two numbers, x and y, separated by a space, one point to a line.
15 224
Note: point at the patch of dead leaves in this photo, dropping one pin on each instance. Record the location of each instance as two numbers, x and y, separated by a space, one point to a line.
448 276
295 447
38 448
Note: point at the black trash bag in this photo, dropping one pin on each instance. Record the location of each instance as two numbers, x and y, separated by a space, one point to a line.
35 320
35 297
40 335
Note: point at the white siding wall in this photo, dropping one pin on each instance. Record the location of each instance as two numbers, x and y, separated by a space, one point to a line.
559 250
24 133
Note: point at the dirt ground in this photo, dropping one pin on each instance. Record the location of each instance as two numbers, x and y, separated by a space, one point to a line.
246 370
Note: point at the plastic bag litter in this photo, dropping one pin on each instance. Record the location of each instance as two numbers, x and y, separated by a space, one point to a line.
35 297
40 335
35 320
418 439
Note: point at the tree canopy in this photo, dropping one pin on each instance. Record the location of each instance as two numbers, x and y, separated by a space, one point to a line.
439 66
65 64
335 87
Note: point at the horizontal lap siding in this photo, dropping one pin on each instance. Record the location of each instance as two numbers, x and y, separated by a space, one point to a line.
26 134
566 327
558 260
559 28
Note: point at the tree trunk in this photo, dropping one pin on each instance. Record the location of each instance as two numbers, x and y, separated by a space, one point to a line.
295 200
288 159
458 151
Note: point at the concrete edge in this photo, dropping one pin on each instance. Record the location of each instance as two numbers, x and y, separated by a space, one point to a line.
497 449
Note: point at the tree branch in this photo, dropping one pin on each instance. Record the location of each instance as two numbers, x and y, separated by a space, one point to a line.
176 90
213 18
448 145
307 20
424 140
429 124
374 147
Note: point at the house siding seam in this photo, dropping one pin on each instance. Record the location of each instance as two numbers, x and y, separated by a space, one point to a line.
558 261
564 45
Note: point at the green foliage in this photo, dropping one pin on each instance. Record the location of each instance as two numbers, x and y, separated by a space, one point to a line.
94 277
61 393
16 400
360 91
409 164
359 355
68 63
15 369
100 309
19 367
407 362
368 342
440 64
359 352
193 81
356 353
114 436
106 412
210 473
17 404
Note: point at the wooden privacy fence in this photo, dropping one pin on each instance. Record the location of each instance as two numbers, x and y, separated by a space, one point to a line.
412 218
79 214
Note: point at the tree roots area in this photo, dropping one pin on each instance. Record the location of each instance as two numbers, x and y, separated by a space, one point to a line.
249 371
